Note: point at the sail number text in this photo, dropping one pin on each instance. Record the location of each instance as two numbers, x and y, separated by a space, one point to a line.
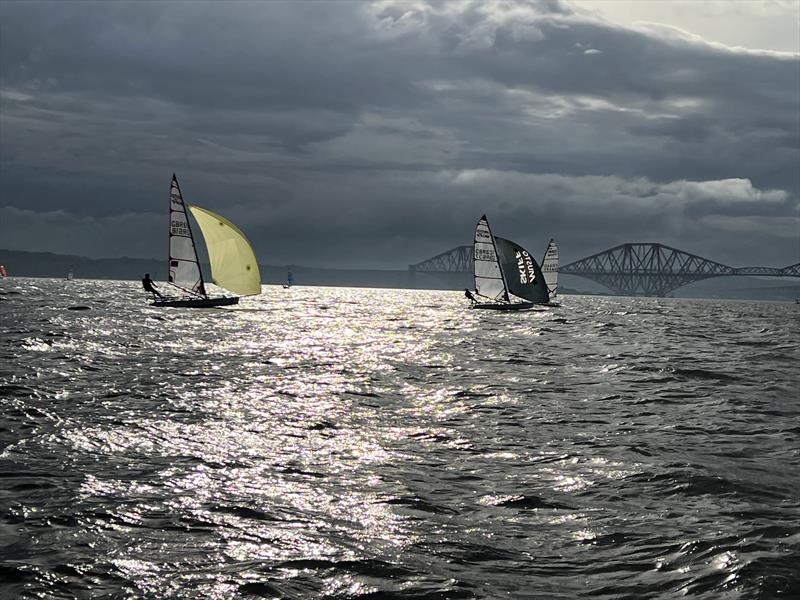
179 228
485 254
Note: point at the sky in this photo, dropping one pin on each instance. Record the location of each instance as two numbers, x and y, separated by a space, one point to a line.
375 134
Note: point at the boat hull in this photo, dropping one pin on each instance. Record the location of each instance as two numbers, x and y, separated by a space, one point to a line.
196 302
504 305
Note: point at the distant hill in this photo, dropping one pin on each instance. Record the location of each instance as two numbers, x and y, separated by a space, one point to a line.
47 264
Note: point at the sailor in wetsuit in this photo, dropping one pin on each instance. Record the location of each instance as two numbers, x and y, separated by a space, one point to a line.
469 295
149 286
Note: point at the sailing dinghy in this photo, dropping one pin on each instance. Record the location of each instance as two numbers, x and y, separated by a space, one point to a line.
507 277
550 270
233 263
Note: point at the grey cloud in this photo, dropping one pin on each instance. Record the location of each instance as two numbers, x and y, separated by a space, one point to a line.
57 231
781 227
346 124
238 56
689 129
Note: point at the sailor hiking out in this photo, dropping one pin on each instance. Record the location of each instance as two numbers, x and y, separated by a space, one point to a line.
150 287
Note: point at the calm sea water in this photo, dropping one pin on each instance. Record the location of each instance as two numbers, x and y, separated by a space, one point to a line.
352 443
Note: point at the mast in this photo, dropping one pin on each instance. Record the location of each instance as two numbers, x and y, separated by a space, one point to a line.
183 266
499 264
487 269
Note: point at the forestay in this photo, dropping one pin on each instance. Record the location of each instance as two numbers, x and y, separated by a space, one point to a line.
233 262
184 268
489 280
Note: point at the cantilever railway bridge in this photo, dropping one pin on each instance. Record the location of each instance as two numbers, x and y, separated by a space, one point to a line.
640 269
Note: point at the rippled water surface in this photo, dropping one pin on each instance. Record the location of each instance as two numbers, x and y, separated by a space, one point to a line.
351 443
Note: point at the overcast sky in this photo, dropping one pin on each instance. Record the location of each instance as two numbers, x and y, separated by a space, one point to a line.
376 134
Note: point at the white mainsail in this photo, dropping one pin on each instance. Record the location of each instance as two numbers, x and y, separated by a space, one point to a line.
184 268
489 281
550 268
233 262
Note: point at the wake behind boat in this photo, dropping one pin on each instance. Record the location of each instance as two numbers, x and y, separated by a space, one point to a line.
233 263
507 277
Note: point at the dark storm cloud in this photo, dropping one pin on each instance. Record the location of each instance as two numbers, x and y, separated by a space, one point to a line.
375 134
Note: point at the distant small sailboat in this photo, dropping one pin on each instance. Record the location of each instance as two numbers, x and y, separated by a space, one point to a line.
506 275
69 276
289 281
233 262
3 272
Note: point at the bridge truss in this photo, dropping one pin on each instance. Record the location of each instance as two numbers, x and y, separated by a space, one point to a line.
457 260
656 269
640 269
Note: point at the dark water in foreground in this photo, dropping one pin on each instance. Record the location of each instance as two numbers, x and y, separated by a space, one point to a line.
346 443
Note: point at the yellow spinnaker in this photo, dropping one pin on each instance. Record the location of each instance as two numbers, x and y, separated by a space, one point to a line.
233 263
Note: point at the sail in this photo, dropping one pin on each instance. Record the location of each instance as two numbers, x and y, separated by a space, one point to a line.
3 272
489 280
184 268
289 278
233 263
523 275
550 268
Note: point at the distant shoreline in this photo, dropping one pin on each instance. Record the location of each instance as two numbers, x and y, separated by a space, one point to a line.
50 265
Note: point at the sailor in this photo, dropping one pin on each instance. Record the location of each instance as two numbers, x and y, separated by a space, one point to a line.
469 295
149 286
